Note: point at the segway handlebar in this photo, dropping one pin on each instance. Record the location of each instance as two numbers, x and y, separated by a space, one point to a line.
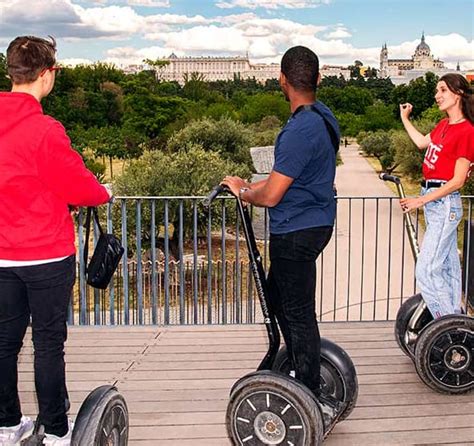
406 216
391 178
213 194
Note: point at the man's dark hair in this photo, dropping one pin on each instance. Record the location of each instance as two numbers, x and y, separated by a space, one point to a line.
27 56
301 67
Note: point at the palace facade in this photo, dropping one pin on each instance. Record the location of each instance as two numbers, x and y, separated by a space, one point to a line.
227 68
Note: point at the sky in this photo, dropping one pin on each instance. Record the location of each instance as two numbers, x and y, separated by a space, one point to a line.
340 31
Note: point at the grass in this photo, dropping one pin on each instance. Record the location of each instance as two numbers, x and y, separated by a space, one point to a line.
118 166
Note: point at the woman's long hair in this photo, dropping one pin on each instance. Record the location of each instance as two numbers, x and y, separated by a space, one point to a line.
460 86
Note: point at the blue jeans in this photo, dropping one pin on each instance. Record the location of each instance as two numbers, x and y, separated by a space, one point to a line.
41 292
292 286
438 269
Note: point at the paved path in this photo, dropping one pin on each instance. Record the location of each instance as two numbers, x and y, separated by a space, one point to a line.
357 178
368 268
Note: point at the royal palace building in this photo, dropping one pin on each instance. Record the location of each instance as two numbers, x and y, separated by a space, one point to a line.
227 68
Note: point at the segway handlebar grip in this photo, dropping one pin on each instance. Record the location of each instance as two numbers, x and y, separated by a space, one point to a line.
391 178
213 194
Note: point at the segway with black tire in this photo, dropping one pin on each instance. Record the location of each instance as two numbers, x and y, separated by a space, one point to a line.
102 420
442 349
269 407
338 377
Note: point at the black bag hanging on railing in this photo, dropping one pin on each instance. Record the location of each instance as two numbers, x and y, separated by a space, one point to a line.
106 256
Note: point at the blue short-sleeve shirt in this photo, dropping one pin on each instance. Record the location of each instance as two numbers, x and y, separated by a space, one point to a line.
304 152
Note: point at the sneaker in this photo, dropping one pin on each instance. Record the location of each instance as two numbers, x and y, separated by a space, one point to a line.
12 436
331 409
53 440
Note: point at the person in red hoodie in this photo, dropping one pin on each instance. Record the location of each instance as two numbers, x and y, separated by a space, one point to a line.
40 177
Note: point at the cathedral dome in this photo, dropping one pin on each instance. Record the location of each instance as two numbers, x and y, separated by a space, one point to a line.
422 47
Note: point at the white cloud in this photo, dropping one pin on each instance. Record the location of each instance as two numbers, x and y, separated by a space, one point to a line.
271 4
123 56
340 32
73 61
265 39
150 3
117 20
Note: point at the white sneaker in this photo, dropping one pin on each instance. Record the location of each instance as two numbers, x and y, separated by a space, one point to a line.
53 440
12 436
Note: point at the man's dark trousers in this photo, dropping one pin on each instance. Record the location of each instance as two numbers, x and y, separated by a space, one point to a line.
44 292
292 286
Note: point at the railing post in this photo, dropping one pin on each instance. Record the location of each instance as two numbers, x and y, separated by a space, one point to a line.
167 267
139 278
82 270
154 302
126 309
111 286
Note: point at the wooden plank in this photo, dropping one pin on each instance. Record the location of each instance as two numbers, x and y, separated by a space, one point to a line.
408 423
176 382
415 437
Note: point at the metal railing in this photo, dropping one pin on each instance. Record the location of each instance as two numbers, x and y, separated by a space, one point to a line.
184 264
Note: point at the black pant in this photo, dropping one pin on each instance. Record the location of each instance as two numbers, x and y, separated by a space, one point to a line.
292 286
42 292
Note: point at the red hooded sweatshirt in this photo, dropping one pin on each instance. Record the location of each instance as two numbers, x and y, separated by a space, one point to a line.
40 175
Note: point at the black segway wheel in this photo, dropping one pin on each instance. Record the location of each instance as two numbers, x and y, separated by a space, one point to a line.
267 408
406 341
444 354
102 419
338 374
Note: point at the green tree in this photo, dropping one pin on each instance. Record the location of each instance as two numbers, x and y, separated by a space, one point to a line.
349 123
5 83
347 100
228 138
333 81
419 92
379 117
108 142
195 88
192 172
433 114
158 64
408 156
258 106
266 131
379 144
147 113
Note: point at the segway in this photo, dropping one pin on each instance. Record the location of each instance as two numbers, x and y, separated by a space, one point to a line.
442 349
102 420
269 406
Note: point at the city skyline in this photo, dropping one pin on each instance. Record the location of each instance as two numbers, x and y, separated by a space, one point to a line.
340 31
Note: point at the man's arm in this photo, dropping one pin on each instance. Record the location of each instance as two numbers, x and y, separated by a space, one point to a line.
63 171
265 193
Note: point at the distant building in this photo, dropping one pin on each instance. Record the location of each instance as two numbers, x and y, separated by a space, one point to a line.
215 68
402 71
335 70
227 68
133 69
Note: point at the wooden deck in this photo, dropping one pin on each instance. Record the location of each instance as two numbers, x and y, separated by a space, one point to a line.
176 382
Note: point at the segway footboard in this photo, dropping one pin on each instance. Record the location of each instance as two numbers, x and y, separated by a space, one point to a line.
406 339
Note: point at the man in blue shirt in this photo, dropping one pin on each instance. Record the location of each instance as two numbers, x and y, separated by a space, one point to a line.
300 196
